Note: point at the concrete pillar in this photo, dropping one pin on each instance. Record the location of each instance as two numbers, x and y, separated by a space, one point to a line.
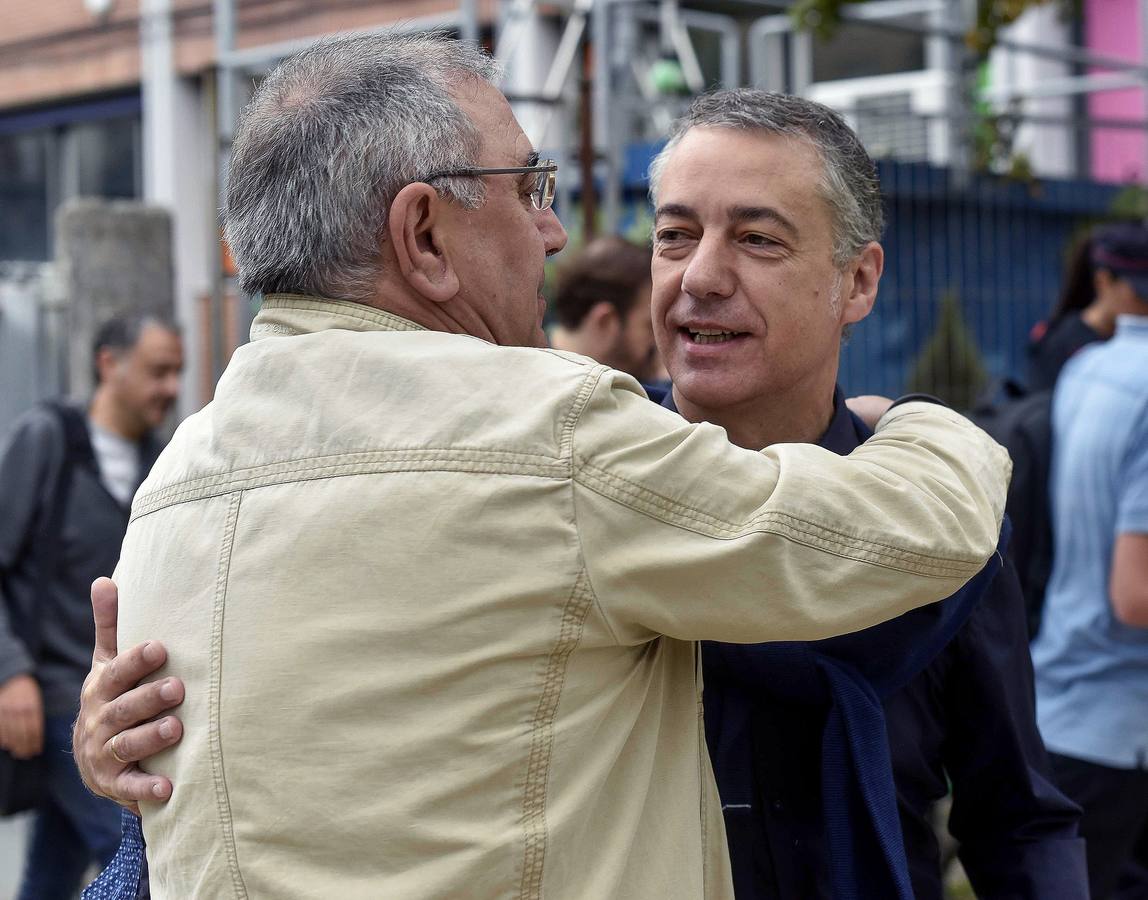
112 256
179 177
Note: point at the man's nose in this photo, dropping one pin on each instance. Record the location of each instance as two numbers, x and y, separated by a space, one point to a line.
708 274
554 236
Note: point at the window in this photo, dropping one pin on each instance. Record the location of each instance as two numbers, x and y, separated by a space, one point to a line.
48 156
860 50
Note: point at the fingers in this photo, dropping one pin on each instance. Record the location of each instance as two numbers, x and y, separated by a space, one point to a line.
132 785
126 720
21 717
128 669
24 735
28 740
105 610
138 706
144 740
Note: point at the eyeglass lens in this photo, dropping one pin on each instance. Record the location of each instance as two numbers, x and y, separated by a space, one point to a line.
543 194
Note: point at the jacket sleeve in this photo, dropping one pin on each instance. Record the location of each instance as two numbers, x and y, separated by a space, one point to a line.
1017 832
686 535
29 457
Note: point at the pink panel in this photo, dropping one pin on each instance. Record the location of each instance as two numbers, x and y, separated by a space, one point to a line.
1112 27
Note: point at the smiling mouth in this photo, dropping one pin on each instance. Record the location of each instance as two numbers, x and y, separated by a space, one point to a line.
710 335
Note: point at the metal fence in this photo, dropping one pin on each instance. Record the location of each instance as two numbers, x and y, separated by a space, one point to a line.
969 270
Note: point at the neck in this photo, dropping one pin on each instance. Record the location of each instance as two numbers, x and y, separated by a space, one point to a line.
563 339
800 415
1101 318
109 415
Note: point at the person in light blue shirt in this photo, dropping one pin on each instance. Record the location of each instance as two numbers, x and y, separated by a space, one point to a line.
1091 655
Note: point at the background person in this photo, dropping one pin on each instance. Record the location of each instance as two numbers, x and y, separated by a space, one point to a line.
67 477
602 303
1091 654
1088 307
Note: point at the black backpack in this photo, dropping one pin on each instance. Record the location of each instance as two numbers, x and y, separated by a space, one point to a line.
1021 421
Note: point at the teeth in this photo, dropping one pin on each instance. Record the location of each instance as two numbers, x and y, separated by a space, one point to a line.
711 335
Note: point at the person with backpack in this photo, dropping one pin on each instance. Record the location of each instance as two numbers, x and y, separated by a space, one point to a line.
67 477
1020 416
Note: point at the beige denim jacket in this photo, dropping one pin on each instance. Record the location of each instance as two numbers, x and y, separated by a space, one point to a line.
435 603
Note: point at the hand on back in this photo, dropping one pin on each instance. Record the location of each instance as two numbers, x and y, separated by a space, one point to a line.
120 720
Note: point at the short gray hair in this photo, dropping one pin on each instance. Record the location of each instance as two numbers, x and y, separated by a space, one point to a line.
848 179
329 139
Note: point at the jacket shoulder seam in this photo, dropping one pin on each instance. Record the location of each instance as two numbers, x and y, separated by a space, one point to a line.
581 399
368 462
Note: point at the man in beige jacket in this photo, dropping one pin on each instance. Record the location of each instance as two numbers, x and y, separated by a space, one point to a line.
434 592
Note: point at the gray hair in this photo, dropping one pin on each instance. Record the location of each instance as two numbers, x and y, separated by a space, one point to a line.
122 332
329 139
848 179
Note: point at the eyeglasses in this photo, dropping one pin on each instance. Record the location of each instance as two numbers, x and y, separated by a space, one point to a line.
542 196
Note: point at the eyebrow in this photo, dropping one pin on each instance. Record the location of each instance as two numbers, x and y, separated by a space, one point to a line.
754 213
675 209
736 214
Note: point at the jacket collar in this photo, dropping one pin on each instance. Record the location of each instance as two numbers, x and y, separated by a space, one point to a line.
284 315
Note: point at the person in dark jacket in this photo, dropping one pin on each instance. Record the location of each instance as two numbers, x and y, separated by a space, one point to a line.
1070 326
1085 311
67 477
829 756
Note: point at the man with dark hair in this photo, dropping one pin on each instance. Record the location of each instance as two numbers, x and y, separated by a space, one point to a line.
67 476
829 755
603 307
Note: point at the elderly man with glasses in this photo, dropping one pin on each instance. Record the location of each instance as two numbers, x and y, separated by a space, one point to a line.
432 592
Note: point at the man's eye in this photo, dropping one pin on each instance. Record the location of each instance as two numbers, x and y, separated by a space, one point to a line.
759 240
669 235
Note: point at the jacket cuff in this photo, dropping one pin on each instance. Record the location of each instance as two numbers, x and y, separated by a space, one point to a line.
919 397
918 403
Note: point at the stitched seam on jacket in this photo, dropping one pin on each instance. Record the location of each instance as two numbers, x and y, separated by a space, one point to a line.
567 444
492 462
581 399
542 741
675 513
222 800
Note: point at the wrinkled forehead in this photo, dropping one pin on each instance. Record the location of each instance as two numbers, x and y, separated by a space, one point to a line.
503 140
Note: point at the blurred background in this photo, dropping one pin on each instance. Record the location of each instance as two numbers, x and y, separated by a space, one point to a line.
1004 130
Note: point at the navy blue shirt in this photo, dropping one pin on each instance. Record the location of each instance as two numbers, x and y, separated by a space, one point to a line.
968 718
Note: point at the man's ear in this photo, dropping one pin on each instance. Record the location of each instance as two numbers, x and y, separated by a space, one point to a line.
861 294
414 226
106 359
602 318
